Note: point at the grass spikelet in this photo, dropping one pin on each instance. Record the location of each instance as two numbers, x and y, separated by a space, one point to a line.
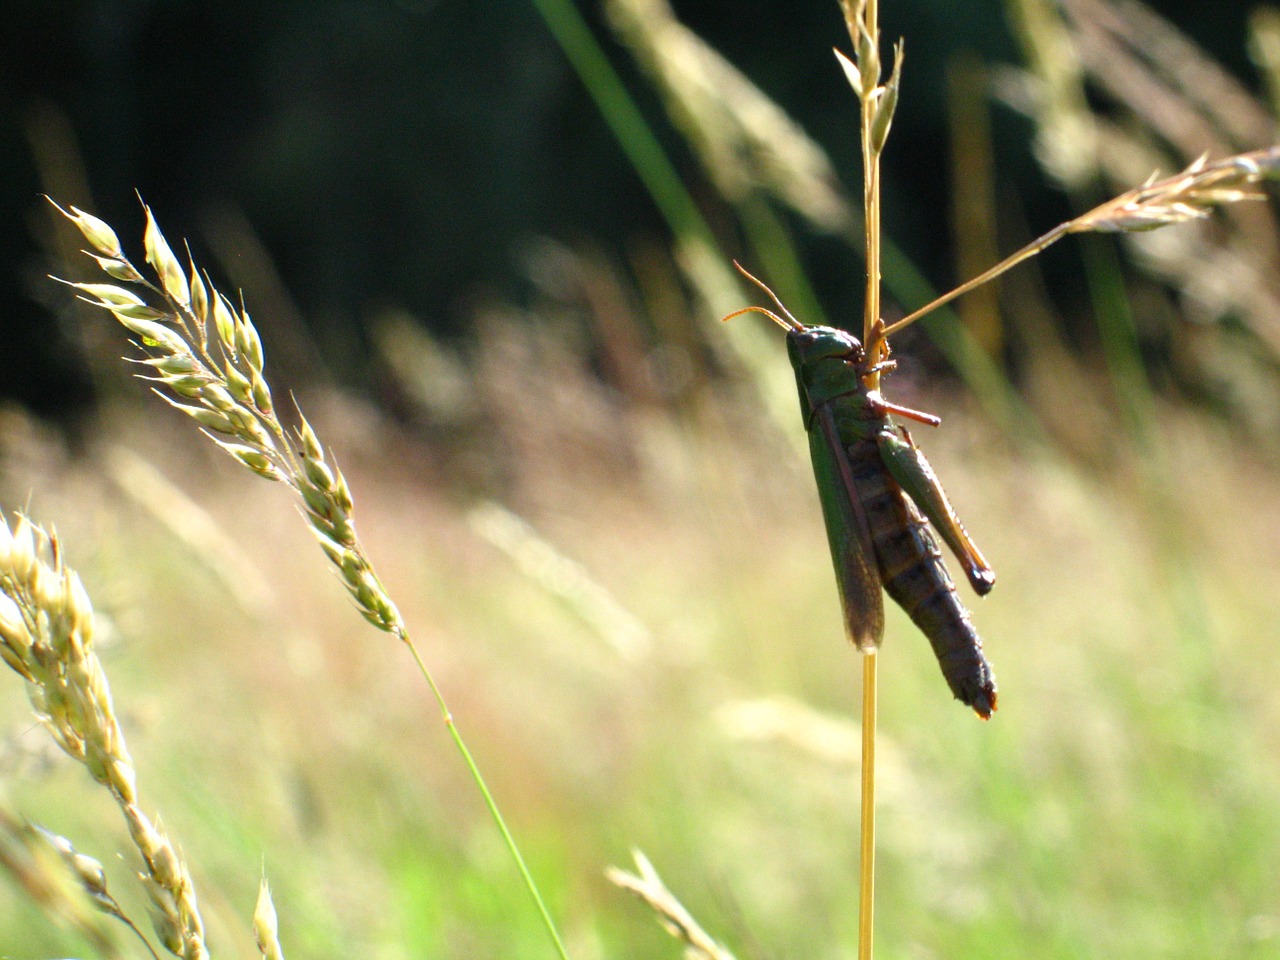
100 236
671 913
166 265
46 633
266 926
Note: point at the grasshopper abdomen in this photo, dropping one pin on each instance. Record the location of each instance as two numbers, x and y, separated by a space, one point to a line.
913 574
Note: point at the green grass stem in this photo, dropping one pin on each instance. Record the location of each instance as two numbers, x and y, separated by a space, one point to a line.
625 120
507 838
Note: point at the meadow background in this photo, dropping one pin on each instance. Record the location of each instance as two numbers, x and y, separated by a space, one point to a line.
591 502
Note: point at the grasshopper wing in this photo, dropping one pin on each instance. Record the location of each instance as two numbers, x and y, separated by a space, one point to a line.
848 533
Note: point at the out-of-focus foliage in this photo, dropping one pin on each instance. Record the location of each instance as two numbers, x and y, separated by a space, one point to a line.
355 157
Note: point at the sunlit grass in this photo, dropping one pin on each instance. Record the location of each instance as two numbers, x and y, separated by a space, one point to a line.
1122 802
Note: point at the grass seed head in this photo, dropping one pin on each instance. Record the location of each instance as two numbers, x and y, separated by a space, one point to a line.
266 926
1189 195
237 383
231 399
46 636
166 265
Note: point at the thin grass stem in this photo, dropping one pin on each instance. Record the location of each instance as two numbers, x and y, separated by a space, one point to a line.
1008 263
867 830
507 837
864 31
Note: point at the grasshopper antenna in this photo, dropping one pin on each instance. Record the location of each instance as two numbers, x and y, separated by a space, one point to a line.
790 323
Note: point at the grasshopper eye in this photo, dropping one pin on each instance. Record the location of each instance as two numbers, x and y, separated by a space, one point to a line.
819 343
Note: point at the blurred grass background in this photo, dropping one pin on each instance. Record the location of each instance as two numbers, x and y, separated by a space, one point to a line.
588 502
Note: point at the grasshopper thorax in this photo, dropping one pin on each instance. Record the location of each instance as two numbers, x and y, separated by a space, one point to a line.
829 364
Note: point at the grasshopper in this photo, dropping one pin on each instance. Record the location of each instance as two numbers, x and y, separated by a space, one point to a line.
877 489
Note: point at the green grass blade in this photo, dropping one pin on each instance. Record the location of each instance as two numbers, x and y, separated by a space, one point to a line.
624 119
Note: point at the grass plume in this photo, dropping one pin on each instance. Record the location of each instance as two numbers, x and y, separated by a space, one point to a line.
46 637
206 357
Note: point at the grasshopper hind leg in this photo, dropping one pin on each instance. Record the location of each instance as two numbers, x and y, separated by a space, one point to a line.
916 578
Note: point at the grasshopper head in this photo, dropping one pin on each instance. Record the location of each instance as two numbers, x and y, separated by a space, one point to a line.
808 345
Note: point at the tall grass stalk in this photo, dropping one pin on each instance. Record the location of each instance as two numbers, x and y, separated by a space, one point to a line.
867 832
877 102
206 353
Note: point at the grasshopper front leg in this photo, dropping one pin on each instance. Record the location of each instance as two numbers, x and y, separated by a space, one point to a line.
908 466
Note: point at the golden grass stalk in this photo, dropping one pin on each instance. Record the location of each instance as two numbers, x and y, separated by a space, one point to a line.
46 637
877 101
648 886
1190 195
205 352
